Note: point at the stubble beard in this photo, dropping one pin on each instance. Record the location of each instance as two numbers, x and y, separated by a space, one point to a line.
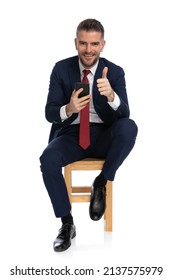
89 64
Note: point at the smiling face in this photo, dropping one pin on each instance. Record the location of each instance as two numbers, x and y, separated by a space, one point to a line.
89 45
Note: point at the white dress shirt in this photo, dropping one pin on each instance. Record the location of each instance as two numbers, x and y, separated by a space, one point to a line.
94 118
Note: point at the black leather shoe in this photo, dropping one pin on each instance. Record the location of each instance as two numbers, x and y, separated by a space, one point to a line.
63 240
98 203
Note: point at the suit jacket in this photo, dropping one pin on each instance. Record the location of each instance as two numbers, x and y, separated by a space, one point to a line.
62 83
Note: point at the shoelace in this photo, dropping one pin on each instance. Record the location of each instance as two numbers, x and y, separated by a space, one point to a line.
64 230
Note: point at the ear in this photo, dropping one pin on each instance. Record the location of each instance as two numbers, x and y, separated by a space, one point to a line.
103 44
75 41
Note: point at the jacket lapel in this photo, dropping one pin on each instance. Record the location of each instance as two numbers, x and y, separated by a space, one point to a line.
98 100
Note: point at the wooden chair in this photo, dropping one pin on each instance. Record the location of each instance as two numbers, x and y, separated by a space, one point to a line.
83 193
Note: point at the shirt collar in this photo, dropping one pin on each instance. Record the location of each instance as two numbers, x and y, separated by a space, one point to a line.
92 69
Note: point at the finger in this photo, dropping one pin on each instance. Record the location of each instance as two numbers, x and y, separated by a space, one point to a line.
82 104
104 73
77 92
100 81
86 97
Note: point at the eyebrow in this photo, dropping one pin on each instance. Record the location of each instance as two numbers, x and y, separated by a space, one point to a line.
84 42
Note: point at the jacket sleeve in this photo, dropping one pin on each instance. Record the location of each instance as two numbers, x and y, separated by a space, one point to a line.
119 86
55 98
59 94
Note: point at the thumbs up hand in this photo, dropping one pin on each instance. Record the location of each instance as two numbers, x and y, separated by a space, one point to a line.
104 73
104 86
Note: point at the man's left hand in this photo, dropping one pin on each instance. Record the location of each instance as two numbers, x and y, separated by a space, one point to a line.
104 86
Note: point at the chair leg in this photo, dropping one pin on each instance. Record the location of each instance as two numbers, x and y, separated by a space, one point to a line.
108 212
68 180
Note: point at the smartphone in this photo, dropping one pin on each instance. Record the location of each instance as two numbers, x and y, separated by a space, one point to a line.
85 87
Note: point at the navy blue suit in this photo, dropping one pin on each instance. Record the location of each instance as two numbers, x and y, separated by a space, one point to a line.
112 140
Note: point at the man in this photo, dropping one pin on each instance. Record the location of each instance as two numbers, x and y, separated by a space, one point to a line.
111 133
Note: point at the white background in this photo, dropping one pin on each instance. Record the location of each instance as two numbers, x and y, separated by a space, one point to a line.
36 34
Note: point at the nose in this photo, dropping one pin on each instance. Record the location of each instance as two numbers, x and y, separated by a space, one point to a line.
88 48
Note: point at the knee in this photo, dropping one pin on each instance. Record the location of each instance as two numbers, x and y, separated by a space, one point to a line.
49 159
131 128
127 128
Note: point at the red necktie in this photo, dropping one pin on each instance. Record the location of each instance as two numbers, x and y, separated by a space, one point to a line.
84 131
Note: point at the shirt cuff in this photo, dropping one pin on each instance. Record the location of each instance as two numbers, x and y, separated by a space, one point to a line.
116 103
63 114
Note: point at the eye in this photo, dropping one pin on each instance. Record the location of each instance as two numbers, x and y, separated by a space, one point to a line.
82 43
95 43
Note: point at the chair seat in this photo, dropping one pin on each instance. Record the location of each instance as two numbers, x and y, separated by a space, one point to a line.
83 193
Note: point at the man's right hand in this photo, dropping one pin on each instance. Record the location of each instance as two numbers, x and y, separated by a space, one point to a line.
77 104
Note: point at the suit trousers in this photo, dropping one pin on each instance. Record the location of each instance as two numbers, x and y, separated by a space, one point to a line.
112 143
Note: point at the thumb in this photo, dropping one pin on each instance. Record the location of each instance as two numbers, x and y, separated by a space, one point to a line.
104 73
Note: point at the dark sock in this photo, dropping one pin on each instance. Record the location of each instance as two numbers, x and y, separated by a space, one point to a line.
100 181
67 219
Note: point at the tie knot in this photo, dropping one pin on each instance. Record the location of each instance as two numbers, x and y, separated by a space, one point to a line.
86 72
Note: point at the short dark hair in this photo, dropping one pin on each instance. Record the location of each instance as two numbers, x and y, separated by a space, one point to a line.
90 24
